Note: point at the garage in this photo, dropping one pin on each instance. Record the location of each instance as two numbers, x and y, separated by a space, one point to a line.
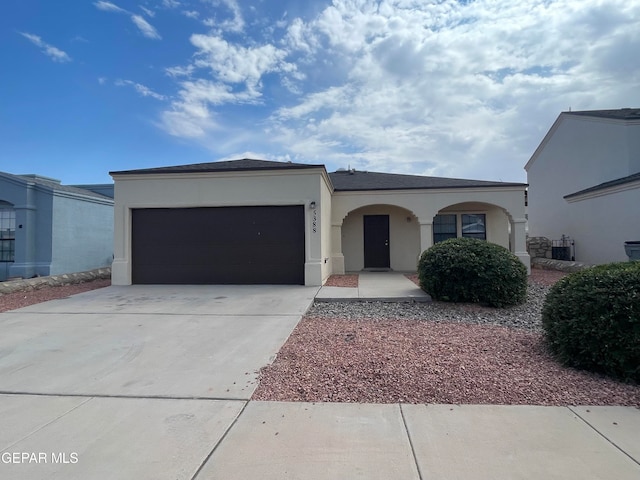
218 245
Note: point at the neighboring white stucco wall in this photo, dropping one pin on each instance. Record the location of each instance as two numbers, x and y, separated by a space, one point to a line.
291 187
579 153
603 222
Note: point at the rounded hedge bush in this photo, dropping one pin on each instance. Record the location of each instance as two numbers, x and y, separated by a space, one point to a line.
591 320
472 270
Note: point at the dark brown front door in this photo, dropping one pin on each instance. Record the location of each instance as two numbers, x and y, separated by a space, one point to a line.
376 241
218 245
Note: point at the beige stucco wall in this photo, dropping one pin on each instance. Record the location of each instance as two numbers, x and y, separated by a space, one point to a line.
325 219
504 207
293 187
334 244
404 238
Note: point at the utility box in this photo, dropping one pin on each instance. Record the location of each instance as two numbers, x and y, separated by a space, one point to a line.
632 249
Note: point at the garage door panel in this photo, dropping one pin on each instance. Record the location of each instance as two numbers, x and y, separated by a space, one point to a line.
232 245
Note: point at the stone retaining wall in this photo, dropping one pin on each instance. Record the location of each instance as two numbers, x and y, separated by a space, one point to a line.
560 265
54 280
539 247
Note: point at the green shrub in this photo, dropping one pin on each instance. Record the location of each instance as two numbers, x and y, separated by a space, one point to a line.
591 320
472 270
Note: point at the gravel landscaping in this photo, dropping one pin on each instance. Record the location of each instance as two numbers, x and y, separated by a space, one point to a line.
24 298
431 353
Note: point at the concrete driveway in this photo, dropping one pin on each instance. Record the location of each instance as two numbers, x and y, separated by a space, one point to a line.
134 382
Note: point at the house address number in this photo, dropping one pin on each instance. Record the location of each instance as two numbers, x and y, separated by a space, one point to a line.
315 220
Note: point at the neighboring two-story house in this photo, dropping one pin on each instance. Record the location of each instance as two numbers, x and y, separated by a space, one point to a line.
584 182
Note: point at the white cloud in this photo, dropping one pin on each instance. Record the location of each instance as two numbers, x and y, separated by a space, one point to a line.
109 7
178 71
170 3
102 80
148 12
239 64
454 89
145 27
464 89
238 72
234 24
191 14
55 53
141 89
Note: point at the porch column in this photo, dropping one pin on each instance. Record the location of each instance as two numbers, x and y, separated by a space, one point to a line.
426 237
337 257
518 242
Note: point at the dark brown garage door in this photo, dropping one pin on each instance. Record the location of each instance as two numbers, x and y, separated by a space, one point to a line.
221 245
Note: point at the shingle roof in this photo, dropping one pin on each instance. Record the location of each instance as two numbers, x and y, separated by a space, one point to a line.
58 187
619 114
602 186
245 164
350 180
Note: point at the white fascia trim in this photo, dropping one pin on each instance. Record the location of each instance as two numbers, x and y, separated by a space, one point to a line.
605 191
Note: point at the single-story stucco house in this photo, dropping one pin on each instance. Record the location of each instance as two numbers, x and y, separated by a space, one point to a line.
256 221
47 228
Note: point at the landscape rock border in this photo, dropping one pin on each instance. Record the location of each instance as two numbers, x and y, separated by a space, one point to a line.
36 283
559 265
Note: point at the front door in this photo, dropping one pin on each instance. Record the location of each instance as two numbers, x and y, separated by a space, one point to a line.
376 241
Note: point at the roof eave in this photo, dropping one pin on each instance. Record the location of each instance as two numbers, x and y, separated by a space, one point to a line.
447 187
161 170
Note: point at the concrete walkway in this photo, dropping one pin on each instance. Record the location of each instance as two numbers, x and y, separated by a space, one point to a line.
155 382
376 286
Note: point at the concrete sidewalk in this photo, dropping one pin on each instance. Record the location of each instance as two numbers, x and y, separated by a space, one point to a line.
273 440
198 439
376 286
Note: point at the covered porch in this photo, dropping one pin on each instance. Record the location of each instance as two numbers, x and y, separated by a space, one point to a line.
389 230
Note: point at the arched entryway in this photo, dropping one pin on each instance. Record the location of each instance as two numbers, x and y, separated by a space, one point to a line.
380 237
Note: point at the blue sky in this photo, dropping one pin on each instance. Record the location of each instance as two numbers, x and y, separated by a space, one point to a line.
448 88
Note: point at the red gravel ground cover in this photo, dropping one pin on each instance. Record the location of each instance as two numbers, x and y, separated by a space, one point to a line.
398 360
350 280
389 361
11 301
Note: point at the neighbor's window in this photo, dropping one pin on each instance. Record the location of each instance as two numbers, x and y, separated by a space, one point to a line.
444 227
474 226
7 233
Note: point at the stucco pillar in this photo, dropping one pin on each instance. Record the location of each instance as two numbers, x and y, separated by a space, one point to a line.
518 242
121 265
26 263
337 257
426 237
